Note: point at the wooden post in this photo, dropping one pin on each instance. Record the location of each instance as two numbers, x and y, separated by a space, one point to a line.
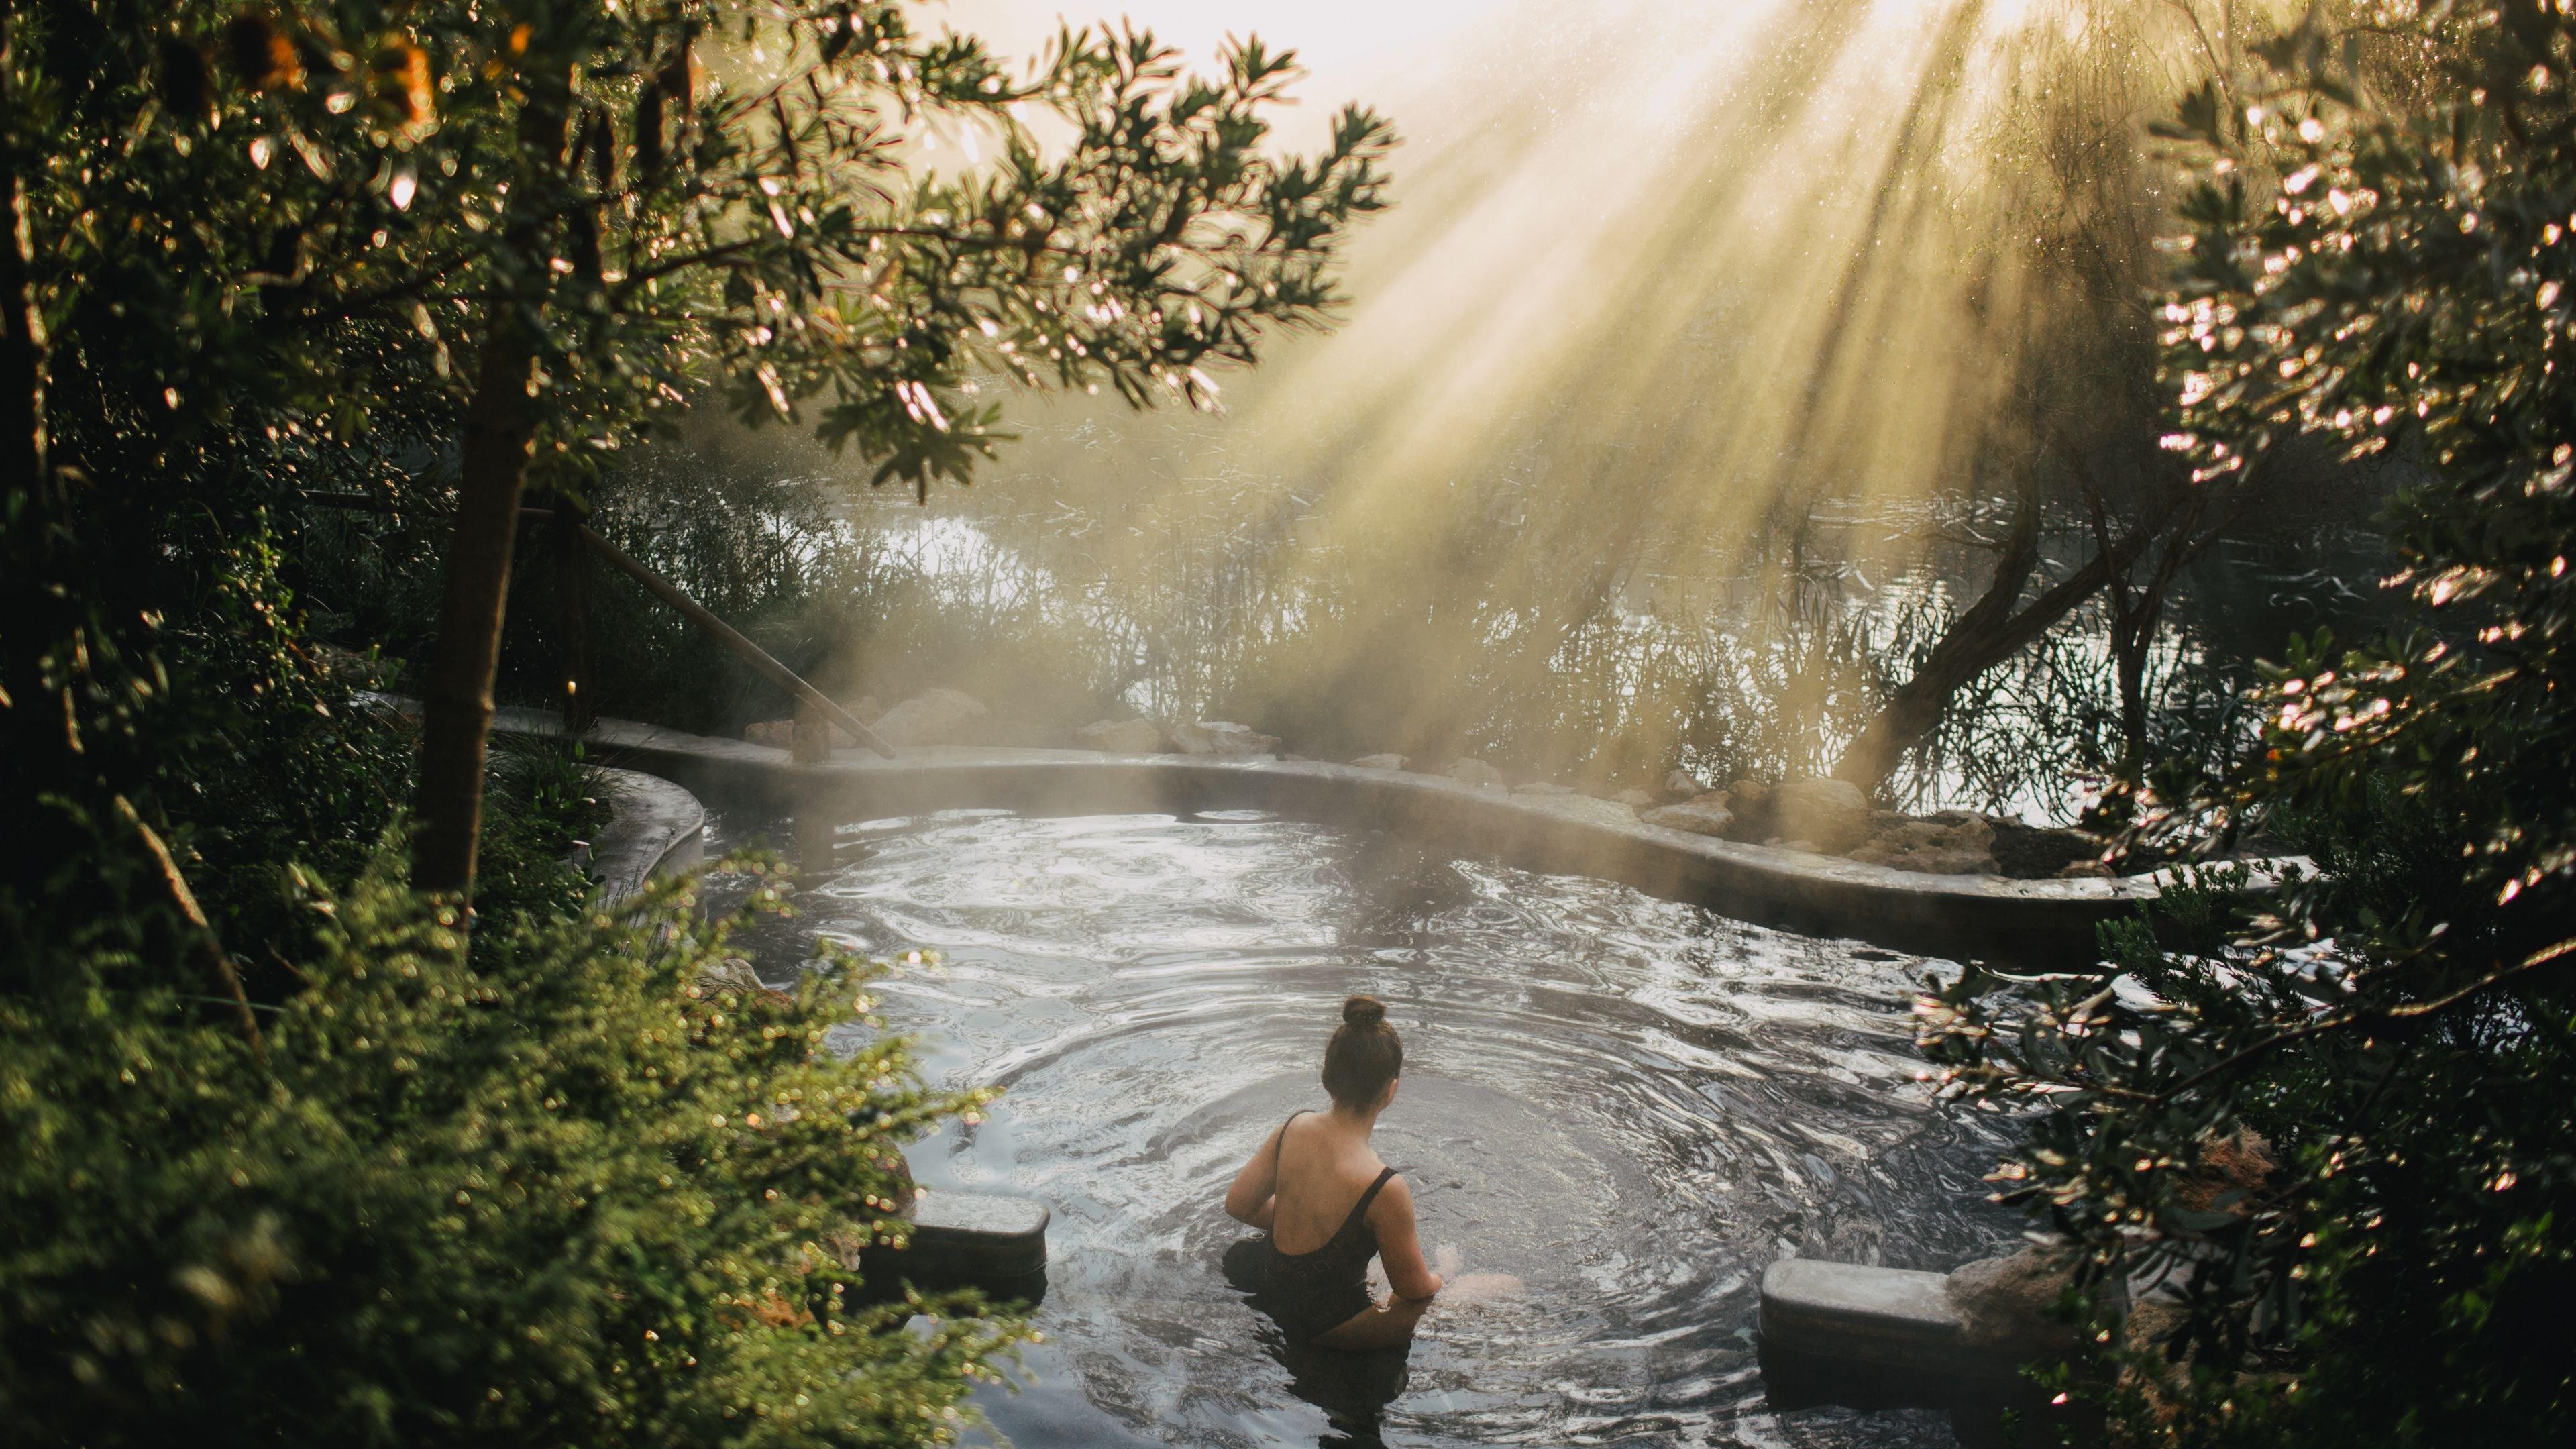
809 738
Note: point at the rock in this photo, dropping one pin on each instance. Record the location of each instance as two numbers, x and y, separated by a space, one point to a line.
1542 787
1474 772
778 734
2034 852
1832 813
1381 762
1634 799
2087 870
1683 785
1581 807
1219 737
734 974
1121 736
2006 1306
1953 861
934 717
1706 815
1951 843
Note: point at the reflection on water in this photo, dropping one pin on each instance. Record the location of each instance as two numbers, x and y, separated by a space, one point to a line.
1631 1105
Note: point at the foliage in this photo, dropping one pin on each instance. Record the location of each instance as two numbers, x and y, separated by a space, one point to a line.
2384 270
341 247
568 1197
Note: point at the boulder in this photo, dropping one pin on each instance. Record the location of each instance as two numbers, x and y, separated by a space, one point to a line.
1950 861
1121 736
1634 799
778 734
1683 785
1833 814
734 974
1474 772
1542 787
934 717
1221 737
1706 815
2006 1307
2037 852
1581 807
1381 762
1914 835
1951 843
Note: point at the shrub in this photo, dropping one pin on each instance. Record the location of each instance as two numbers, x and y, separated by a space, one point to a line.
566 1196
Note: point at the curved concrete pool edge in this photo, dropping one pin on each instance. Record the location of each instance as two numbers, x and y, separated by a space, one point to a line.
2031 923
654 828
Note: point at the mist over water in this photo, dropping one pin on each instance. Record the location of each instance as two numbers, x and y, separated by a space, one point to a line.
1669 405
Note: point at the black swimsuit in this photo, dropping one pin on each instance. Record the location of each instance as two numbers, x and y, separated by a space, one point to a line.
1315 1292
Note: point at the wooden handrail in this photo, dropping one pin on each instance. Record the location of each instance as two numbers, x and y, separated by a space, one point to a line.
690 609
759 658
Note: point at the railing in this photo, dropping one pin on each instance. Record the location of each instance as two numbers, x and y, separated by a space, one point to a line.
815 707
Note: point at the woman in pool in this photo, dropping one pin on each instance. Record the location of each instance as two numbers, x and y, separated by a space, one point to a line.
1327 1204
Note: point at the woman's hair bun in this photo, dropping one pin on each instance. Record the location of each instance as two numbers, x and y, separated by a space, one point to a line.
1363 1011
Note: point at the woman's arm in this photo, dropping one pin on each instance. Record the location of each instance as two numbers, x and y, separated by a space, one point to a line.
1253 1198
1399 1242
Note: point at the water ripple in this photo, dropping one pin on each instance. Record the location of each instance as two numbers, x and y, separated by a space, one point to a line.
1632 1105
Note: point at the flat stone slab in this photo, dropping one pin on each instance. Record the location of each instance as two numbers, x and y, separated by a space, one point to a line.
1854 1312
982 1239
2016 922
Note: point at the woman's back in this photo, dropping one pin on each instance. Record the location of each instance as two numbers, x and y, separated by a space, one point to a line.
1323 1176
1327 1205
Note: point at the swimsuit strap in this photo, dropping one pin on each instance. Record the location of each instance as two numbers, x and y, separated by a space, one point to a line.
1279 1144
1359 1210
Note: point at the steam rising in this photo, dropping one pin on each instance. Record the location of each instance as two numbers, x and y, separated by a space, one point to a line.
1687 310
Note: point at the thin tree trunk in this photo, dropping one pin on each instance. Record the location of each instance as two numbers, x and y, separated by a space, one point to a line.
500 425
22 327
456 706
1992 631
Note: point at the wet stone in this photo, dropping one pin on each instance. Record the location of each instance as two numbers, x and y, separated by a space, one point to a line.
968 1236
934 717
1121 737
1707 815
1223 737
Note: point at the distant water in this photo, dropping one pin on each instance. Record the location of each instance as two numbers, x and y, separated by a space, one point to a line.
1631 1105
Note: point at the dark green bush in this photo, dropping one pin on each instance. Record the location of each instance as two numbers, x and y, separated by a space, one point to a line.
564 1196
2385 269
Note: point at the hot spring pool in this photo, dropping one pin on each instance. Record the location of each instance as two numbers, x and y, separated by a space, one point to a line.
1631 1105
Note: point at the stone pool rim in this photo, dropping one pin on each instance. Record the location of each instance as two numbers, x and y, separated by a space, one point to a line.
2044 924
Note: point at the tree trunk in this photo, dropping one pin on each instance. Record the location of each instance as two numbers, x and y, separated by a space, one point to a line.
1992 631
500 426
22 329
456 707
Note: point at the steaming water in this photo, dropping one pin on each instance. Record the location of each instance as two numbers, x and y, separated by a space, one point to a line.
1631 1105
